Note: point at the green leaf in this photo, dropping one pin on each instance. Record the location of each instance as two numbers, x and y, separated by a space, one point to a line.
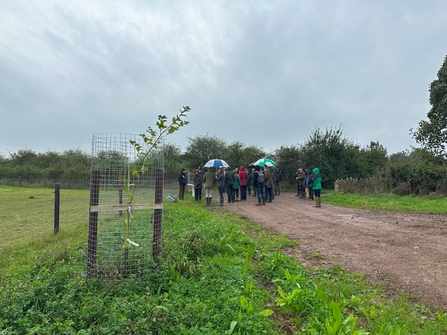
266 312
232 326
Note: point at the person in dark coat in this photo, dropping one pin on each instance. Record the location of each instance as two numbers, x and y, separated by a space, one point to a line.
198 184
182 182
308 184
253 182
299 176
278 179
229 181
249 182
259 184
199 167
236 185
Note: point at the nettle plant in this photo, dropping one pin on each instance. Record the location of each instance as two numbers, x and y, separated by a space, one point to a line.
151 140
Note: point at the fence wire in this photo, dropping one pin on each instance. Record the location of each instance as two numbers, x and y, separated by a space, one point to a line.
125 203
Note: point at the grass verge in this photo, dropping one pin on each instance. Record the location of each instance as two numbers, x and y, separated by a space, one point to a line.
390 202
220 275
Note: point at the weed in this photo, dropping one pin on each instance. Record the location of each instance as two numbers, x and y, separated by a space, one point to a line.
317 255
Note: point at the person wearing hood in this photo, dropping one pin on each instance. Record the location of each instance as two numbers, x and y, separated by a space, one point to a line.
243 176
316 185
182 181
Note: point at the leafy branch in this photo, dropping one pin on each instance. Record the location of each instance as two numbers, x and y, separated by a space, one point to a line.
153 137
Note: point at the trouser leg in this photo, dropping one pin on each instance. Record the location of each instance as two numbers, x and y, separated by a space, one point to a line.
181 192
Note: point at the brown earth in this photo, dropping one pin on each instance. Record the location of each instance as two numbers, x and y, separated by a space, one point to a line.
405 252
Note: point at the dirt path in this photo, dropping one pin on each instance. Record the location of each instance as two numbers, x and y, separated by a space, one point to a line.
406 252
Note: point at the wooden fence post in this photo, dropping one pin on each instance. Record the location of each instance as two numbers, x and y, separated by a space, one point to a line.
57 201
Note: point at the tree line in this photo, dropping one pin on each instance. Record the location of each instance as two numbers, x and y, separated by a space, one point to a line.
417 171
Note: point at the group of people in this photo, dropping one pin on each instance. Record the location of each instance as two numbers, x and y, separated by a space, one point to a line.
238 182
309 185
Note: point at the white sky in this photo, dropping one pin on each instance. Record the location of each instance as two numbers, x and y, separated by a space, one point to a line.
266 73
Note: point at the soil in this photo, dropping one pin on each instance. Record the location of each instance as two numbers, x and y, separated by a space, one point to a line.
405 252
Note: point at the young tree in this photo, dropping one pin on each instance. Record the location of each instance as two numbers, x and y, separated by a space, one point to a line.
432 134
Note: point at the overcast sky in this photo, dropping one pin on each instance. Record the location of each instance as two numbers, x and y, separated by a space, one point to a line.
267 73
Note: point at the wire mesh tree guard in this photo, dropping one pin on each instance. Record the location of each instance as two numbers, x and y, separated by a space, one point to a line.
126 208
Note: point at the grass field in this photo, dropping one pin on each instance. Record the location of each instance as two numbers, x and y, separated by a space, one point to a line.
220 274
432 204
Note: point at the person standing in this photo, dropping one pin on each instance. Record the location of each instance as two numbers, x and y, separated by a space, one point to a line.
198 184
269 183
199 167
316 186
209 179
236 186
253 182
243 176
220 181
307 184
278 179
182 182
249 182
258 183
229 181
299 182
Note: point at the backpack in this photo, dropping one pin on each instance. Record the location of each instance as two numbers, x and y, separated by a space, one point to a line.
261 177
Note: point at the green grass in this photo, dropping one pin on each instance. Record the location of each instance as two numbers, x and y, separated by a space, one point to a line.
388 202
220 274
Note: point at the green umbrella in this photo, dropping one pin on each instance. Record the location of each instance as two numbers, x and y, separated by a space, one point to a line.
264 162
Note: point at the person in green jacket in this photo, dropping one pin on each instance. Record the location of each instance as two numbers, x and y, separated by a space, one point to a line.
317 186
236 185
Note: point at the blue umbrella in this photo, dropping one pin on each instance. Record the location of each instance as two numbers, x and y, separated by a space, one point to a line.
216 163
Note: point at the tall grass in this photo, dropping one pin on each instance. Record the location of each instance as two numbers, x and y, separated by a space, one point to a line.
220 274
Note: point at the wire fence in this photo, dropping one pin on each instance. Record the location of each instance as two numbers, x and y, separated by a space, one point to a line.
28 214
